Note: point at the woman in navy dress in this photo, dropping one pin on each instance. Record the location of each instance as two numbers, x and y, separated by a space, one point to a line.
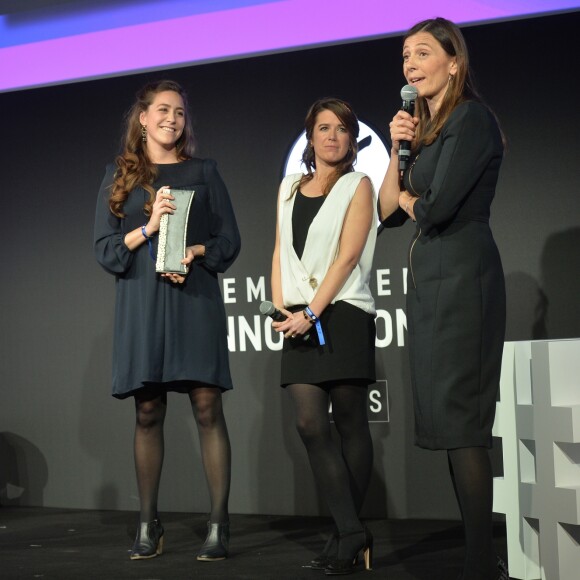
456 289
170 330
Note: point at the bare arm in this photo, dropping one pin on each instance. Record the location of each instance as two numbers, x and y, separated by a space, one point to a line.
355 231
402 128
276 277
390 189
357 224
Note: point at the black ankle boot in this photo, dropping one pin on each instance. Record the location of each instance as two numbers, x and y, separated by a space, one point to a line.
216 544
328 553
149 541
350 545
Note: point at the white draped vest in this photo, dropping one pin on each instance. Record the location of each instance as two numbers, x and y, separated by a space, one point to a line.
301 277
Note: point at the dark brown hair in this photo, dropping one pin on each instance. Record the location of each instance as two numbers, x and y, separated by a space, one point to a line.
347 117
134 168
461 85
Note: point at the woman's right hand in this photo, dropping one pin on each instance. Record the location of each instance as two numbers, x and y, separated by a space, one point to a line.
402 128
295 324
161 205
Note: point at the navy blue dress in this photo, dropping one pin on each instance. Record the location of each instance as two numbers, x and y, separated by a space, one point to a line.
456 288
164 332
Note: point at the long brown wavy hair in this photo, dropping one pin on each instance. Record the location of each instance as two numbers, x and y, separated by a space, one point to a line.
134 168
347 117
461 85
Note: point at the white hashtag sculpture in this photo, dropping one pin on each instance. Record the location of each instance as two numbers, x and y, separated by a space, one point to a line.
538 419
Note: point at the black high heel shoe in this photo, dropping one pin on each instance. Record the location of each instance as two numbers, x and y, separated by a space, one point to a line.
350 545
149 541
216 543
328 553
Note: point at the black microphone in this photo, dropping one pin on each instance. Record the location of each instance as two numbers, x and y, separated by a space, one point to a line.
268 309
409 95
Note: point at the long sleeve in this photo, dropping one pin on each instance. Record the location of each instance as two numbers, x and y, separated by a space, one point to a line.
470 141
109 245
223 246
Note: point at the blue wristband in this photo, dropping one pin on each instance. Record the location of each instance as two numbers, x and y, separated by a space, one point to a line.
317 325
149 242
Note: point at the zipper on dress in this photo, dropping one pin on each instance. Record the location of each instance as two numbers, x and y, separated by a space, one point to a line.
411 258
411 173
417 237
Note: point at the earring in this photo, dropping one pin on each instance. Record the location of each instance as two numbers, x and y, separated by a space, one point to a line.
143 134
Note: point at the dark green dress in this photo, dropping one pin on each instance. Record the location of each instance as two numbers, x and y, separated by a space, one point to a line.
456 288
169 333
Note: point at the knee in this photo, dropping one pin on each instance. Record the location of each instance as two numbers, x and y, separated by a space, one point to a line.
150 414
208 411
310 431
351 427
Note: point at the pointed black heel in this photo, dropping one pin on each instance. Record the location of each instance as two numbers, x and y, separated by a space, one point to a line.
353 543
216 544
329 552
149 541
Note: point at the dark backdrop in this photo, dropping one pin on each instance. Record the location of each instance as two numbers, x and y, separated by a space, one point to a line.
65 442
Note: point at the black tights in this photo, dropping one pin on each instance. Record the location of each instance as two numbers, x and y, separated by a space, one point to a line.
207 408
470 469
341 475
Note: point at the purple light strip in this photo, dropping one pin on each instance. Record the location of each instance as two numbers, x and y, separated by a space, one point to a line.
243 31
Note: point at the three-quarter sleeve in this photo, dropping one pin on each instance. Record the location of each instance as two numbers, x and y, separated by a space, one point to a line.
470 141
108 243
223 246
395 220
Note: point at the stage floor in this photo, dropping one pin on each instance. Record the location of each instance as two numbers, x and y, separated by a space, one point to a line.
67 544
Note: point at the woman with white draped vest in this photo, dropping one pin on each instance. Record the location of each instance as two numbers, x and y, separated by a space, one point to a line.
325 239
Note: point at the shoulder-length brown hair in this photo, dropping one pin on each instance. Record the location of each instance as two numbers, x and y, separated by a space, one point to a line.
347 117
134 168
461 85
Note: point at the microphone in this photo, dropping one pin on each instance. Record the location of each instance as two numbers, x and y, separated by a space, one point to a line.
409 95
268 309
